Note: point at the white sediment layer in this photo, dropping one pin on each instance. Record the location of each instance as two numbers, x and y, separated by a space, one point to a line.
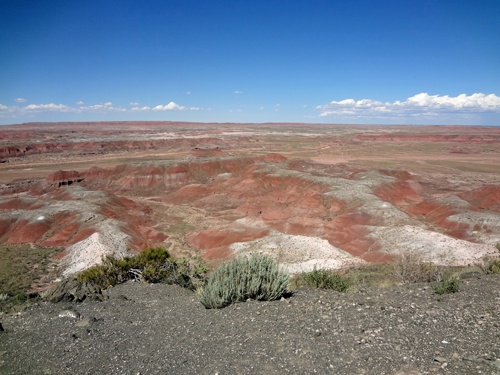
89 252
298 253
437 247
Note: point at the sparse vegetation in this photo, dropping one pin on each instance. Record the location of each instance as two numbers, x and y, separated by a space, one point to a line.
152 265
375 274
257 277
327 279
448 285
411 267
490 265
24 266
493 267
407 268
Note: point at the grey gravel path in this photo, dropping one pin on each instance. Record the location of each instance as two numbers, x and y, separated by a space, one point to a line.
162 329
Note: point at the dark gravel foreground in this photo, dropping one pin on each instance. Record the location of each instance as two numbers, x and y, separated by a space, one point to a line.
162 329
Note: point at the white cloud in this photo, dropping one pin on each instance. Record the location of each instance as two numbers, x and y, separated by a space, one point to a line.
47 108
194 109
210 109
5 111
189 93
239 110
99 108
56 108
230 110
419 105
169 107
20 100
261 107
108 104
304 106
80 103
238 92
277 105
134 104
137 109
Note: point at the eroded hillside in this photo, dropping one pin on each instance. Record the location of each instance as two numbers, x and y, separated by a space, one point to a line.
312 196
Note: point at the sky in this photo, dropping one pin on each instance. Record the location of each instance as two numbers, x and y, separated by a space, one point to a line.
355 62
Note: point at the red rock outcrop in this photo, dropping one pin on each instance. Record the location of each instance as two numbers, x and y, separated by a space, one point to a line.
25 232
487 197
102 147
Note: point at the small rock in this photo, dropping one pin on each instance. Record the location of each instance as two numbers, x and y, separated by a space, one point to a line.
1 328
440 359
85 322
69 314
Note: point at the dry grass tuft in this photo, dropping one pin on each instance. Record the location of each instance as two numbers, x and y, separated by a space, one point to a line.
411 267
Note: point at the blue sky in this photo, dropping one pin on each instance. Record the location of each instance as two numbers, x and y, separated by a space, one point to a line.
373 62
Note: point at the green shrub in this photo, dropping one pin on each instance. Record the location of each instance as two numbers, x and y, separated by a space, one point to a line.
152 265
448 285
326 279
493 267
257 277
20 298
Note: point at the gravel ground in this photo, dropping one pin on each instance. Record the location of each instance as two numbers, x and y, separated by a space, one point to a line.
162 329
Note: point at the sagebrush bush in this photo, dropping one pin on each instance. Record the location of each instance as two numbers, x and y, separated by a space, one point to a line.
256 277
152 265
326 279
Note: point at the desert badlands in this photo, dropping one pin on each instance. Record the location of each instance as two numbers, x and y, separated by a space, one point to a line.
328 196
311 196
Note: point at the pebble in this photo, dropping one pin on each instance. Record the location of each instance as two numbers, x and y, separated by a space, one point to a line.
85 322
69 314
